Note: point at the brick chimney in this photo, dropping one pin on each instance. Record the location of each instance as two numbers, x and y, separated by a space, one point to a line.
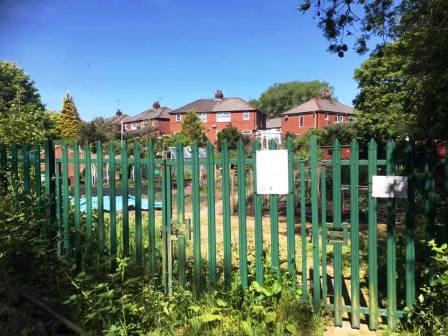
219 94
156 105
326 94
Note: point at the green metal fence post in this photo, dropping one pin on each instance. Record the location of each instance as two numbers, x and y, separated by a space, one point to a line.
391 245
241 169
151 212
275 252
258 208
337 223
315 223
303 238
180 182
113 207
77 201
37 181
50 188
373 241
323 196
100 194
88 185
226 214
124 195
291 248
211 214
58 196
354 219
196 216
65 200
138 205
410 225
429 192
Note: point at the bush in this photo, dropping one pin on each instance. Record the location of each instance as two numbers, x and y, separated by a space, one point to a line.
429 316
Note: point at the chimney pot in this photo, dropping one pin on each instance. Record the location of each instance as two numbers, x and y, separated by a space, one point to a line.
119 113
326 94
219 94
156 105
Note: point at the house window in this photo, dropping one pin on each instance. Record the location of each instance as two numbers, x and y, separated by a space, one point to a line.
301 121
223 117
339 118
153 123
246 115
145 123
133 125
203 117
326 116
178 117
246 132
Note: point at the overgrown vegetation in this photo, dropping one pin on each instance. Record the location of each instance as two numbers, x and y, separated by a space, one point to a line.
127 301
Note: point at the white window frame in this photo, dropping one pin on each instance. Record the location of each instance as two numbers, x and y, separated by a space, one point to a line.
133 125
203 117
246 132
153 123
223 117
246 115
178 117
339 118
327 117
301 121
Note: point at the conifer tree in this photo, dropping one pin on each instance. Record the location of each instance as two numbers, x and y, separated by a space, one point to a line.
69 120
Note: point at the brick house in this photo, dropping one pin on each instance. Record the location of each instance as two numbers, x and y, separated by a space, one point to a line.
154 121
218 112
315 113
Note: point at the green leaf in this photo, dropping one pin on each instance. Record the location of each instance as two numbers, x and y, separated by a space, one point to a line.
291 328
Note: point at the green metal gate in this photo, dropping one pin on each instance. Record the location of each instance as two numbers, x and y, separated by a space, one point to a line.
355 255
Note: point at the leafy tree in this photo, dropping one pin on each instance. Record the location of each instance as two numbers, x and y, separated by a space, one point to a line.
192 129
99 129
339 19
53 125
281 97
22 114
69 120
232 135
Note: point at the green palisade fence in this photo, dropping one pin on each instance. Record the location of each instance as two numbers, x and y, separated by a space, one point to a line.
351 257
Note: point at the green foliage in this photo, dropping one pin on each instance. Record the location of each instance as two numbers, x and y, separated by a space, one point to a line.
22 114
281 97
69 120
430 314
29 266
99 129
232 135
122 304
192 128
385 106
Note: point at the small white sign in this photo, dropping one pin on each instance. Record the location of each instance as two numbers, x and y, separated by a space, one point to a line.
389 186
272 172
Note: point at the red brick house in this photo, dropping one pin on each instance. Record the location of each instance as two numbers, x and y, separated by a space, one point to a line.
154 121
218 112
315 113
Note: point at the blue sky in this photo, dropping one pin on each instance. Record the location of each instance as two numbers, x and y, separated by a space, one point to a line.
134 52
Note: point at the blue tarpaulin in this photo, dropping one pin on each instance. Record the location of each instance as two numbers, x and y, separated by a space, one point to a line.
118 203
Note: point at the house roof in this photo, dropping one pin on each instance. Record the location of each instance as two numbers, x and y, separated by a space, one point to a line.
152 113
273 123
118 117
320 105
216 105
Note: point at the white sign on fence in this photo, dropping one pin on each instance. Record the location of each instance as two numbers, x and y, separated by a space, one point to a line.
389 186
272 171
